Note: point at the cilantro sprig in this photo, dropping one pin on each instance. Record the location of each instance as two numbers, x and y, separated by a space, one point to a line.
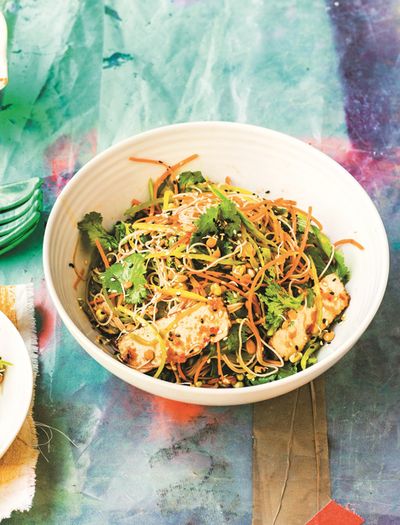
91 227
277 301
127 276
188 179
220 218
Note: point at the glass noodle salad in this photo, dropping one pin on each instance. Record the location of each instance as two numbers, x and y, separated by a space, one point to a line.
3 368
211 285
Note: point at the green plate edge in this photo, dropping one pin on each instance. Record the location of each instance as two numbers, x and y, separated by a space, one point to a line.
27 187
19 240
23 221
36 199
6 239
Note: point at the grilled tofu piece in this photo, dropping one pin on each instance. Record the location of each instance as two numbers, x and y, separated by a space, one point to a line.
302 324
185 334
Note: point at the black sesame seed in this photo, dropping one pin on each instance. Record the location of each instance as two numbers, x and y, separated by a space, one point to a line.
71 265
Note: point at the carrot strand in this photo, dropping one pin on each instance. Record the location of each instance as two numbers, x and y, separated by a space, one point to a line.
102 254
219 359
348 241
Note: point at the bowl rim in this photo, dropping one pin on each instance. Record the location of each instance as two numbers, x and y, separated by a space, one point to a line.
232 395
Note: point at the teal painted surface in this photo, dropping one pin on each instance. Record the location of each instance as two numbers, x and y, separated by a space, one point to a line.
83 75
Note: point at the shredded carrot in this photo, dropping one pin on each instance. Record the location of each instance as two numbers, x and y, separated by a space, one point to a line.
302 212
184 161
301 248
228 180
348 241
78 279
219 358
180 372
149 161
170 172
250 297
102 254
134 202
229 277
257 216
177 379
79 275
199 368
228 285
99 300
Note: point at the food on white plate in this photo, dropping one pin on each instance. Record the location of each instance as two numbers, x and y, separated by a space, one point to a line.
3 368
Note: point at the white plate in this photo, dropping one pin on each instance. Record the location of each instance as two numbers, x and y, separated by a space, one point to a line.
17 385
257 158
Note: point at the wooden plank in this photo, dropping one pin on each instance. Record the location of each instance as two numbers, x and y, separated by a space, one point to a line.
291 480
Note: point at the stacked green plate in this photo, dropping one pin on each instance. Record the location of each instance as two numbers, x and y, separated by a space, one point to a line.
20 208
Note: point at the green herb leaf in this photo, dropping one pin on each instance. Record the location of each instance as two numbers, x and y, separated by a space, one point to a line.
91 227
231 297
287 370
119 231
232 342
188 179
341 269
277 301
247 223
301 223
207 222
311 347
130 270
223 218
318 256
323 241
310 297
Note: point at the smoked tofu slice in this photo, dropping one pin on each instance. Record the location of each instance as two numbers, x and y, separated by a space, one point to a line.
302 324
185 334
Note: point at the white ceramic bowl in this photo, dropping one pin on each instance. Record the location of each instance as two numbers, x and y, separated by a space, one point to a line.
17 386
256 158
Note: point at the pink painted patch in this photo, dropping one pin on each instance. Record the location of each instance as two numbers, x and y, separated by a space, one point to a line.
46 317
372 173
64 155
335 514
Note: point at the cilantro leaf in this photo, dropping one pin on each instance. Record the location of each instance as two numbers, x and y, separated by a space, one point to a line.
232 297
207 222
187 179
277 301
91 228
119 231
341 269
323 241
232 341
130 271
310 296
223 218
229 215
318 257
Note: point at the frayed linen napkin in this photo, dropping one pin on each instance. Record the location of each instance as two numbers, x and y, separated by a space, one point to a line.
17 466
